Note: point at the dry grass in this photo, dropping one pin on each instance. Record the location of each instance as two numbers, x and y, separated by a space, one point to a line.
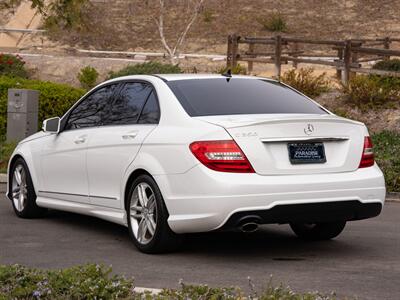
130 25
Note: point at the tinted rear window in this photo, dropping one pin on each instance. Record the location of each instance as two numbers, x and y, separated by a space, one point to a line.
219 96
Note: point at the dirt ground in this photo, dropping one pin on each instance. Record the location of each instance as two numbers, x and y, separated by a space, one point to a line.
18 17
130 23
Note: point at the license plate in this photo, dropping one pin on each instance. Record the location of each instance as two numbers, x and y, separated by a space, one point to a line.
306 153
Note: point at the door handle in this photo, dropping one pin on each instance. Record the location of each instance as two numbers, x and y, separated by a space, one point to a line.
80 140
129 136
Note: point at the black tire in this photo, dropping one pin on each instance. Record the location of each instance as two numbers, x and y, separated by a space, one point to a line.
163 239
318 231
29 209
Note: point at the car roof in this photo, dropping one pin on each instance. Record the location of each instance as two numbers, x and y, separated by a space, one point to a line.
183 76
188 76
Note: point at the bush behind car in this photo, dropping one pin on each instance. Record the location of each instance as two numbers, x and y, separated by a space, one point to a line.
54 98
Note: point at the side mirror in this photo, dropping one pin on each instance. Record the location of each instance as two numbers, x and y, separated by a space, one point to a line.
51 125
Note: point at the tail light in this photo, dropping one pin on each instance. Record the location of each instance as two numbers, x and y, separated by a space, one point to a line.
222 156
367 158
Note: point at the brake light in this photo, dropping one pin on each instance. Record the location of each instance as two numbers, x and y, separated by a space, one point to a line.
222 156
367 158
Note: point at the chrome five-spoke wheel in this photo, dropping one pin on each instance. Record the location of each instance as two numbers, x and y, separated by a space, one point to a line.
19 188
143 213
21 191
148 217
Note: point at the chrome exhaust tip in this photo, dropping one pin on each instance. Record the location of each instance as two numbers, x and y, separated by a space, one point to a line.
249 223
249 227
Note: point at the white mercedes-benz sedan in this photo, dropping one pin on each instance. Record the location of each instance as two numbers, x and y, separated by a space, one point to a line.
166 155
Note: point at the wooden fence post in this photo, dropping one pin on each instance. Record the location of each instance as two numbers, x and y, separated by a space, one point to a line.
229 53
235 50
250 63
277 57
295 49
386 45
347 62
354 56
340 59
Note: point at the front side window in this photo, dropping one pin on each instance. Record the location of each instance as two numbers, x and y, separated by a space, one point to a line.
93 110
220 96
129 103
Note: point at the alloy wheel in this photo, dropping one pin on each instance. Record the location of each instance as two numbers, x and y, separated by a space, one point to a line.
19 188
143 213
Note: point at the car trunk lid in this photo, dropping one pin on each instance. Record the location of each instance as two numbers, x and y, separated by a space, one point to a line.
264 139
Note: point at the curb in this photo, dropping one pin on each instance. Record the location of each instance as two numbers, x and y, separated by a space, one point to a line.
144 290
390 197
393 197
3 178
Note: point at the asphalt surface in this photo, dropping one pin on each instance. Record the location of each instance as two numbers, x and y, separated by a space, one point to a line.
363 262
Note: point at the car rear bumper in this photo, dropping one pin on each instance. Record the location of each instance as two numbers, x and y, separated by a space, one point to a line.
306 213
205 200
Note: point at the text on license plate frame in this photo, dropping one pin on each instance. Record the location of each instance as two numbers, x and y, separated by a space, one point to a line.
315 154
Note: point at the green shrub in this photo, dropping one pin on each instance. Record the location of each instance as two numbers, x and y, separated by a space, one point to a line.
151 67
88 77
238 69
96 282
54 99
6 149
12 66
388 65
274 22
341 112
208 16
372 91
10 4
66 14
306 82
387 149
81 282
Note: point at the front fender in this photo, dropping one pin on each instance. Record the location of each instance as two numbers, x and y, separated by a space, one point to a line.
26 152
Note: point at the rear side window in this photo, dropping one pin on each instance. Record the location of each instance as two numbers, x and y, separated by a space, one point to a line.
93 110
220 96
151 112
129 103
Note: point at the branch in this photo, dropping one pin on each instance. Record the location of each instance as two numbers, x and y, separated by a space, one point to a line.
186 30
182 36
160 25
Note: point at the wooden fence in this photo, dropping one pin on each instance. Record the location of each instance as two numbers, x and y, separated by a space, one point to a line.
13 30
346 56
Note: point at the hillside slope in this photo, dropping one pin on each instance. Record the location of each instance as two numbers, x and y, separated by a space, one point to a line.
21 17
128 24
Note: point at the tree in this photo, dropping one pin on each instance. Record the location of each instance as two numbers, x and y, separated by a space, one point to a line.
66 13
173 50
38 4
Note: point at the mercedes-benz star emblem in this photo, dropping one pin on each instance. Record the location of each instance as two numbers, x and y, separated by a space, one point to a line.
309 129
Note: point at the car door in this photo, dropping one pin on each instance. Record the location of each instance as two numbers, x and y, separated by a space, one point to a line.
63 157
133 115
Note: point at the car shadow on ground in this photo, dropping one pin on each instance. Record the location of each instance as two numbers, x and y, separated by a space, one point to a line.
276 242
87 223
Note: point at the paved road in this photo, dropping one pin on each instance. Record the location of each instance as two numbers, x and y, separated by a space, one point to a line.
364 261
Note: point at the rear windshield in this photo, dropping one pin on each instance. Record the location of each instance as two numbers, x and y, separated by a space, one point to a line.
220 96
